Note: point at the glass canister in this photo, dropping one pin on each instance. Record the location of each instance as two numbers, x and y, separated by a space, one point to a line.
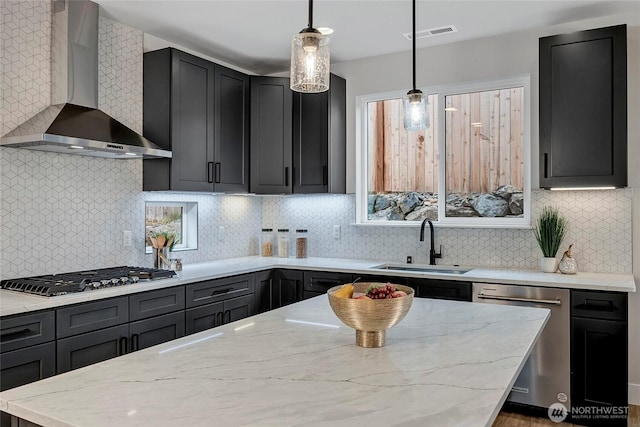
266 247
301 243
283 242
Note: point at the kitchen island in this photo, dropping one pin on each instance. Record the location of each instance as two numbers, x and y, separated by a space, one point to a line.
447 363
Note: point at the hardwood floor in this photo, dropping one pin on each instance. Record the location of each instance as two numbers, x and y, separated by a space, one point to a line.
510 419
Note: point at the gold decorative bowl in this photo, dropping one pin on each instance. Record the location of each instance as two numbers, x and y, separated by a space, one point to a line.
370 318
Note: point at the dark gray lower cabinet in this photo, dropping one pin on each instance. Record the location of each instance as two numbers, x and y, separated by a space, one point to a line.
287 287
156 330
27 365
156 303
24 366
264 283
599 368
209 316
93 347
441 289
91 316
318 282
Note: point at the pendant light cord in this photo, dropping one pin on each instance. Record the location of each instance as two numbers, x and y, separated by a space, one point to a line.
311 14
413 39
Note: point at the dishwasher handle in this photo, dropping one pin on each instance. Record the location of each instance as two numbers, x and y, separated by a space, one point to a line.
481 295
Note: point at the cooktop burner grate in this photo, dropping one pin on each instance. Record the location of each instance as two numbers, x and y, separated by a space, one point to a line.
60 284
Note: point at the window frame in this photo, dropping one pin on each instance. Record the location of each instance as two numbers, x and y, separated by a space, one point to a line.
362 150
189 224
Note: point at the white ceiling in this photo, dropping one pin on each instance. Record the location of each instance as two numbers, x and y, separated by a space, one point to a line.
255 35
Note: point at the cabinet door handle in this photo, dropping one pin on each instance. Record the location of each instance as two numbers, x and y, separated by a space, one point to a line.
14 334
123 346
221 291
219 319
286 176
135 342
325 175
210 172
217 172
546 165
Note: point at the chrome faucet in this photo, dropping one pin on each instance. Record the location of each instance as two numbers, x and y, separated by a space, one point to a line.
432 252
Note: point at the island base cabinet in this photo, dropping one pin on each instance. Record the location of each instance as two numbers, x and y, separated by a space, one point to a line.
157 330
86 349
24 366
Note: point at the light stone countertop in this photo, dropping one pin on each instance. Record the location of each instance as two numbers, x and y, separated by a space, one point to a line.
447 363
12 302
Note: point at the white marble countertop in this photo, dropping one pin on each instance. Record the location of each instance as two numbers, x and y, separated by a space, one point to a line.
447 363
16 303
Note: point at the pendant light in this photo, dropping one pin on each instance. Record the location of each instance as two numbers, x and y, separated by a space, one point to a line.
415 103
310 59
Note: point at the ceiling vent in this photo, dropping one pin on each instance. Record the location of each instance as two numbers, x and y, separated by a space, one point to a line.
423 34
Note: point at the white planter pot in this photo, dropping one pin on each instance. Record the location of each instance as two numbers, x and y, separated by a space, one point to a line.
549 265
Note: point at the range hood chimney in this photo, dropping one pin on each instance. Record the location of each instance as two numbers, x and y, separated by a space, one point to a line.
73 124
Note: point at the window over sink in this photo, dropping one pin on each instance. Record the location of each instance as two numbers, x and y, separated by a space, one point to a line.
475 152
177 219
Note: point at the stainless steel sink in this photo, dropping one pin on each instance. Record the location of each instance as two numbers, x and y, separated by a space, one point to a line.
423 268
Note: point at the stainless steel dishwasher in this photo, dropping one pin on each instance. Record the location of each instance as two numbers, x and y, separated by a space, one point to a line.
546 376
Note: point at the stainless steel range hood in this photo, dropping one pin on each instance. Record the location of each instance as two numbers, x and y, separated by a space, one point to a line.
73 124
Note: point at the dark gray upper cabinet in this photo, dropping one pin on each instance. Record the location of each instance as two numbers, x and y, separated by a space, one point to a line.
231 153
583 109
271 135
198 110
297 140
319 138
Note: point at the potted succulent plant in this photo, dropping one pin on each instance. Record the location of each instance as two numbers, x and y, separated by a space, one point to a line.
550 229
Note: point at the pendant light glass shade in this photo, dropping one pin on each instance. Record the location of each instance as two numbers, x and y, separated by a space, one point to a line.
310 59
415 103
415 111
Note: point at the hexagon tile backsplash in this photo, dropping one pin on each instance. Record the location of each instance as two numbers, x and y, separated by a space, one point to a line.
599 226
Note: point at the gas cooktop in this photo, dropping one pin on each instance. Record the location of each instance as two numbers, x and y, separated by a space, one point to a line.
64 283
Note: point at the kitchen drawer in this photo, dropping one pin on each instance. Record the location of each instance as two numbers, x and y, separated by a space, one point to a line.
441 289
219 290
599 305
321 281
155 303
27 329
91 316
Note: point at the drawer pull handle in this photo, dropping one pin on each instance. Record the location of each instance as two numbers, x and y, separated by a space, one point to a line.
531 300
221 291
14 334
597 305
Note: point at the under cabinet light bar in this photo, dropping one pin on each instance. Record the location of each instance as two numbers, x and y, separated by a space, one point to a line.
580 188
